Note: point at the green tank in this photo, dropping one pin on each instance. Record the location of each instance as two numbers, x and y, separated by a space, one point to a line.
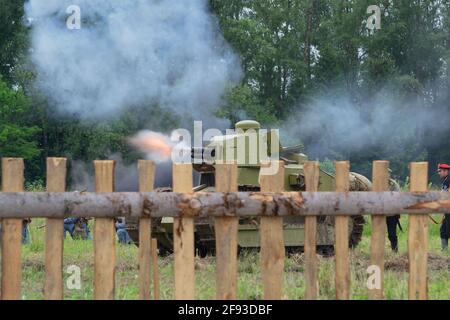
220 148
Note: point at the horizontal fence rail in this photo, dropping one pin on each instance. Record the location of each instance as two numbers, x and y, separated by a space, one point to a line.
225 206
219 204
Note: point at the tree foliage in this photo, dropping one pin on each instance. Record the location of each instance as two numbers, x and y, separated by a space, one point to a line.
13 37
296 50
292 51
17 136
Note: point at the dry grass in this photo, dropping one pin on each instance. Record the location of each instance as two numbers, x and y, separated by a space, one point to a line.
80 253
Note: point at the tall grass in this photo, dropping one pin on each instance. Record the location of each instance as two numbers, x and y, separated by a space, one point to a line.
80 253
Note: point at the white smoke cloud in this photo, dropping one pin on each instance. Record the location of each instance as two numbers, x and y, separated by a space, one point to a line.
157 147
332 124
130 52
126 175
82 179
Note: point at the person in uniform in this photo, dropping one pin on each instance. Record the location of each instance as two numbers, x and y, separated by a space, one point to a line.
443 171
78 228
393 221
122 233
25 231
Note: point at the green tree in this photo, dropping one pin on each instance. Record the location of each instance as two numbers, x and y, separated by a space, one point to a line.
17 136
295 50
13 37
269 36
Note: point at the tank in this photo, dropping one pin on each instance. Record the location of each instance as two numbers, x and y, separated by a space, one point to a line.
220 148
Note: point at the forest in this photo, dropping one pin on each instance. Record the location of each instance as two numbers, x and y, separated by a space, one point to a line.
311 68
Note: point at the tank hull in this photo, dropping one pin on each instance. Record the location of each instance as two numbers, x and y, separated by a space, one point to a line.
247 135
248 230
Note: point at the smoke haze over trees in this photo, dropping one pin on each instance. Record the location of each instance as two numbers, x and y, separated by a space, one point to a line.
308 67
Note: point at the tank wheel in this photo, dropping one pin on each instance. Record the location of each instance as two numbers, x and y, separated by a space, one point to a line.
325 251
205 248
247 250
293 250
202 250
163 252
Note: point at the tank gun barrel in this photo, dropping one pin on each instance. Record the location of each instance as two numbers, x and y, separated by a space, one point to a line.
205 155
293 149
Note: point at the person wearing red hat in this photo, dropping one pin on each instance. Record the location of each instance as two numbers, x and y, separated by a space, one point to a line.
443 171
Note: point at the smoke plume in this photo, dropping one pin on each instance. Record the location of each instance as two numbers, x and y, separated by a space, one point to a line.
338 126
156 146
166 52
126 175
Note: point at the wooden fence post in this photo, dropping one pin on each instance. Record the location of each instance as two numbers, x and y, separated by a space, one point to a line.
12 181
418 238
312 175
155 269
146 184
272 240
380 183
183 238
226 229
54 233
104 237
342 236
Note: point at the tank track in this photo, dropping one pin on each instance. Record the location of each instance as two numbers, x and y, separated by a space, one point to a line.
208 248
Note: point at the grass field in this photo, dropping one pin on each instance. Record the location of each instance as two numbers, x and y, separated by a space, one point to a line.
80 253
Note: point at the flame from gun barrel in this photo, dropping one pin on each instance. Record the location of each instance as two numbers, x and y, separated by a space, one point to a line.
160 148
156 145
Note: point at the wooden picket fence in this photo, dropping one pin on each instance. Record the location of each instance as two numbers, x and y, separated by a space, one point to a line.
226 229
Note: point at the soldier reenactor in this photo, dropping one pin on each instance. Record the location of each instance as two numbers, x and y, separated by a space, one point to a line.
393 221
25 231
443 171
122 233
77 227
